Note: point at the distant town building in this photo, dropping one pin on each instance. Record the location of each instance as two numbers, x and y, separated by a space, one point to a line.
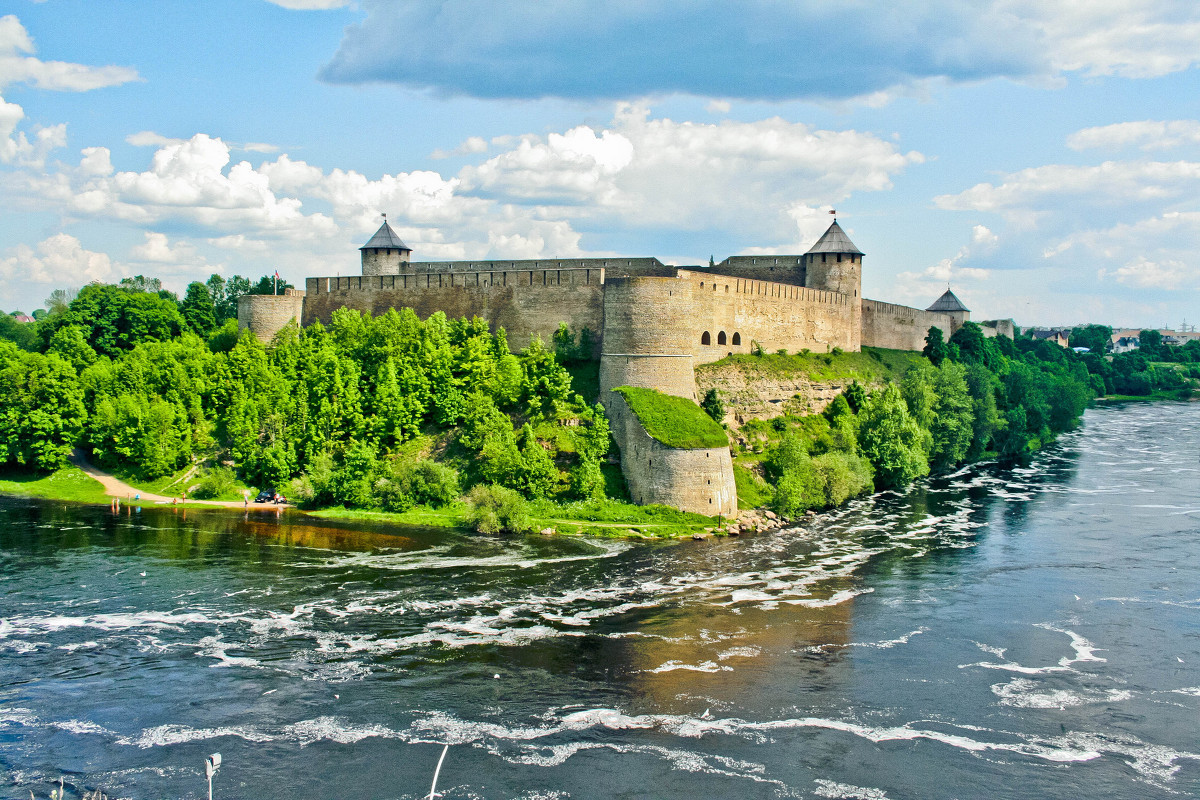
1124 344
1058 336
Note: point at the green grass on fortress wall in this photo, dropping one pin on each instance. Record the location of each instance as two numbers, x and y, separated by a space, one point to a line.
674 421
69 483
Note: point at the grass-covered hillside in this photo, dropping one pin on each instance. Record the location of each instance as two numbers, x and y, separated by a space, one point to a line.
761 388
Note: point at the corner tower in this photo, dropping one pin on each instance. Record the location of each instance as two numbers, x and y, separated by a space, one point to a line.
834 264
385 253
951 306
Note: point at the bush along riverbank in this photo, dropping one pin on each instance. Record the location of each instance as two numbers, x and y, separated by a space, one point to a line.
439 421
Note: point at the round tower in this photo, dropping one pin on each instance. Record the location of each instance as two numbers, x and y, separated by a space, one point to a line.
385 253
265 315
834 264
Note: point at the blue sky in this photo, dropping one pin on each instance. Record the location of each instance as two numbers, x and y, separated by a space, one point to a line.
1043 158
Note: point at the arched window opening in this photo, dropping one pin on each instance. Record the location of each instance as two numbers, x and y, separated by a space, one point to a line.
721 338
737 339
705 338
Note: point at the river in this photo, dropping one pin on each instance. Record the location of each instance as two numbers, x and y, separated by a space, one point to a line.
995 633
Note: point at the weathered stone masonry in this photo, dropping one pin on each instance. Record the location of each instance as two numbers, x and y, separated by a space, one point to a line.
266 314
652 325
524 302
694 480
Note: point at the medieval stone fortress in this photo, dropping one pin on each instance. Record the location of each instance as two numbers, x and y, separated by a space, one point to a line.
656 323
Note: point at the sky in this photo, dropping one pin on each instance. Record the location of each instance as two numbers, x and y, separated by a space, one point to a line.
1040 157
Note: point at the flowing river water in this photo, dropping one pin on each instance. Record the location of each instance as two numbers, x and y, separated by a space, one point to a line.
1032 632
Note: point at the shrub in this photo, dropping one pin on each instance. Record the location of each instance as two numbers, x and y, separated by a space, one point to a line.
392 495
842 476
414 483
798 490
314 486
354 479
587 480
495 509
712 405
214 483
892 439
430 483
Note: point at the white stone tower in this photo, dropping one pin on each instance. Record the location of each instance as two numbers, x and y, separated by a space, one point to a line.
950 305
834 264
385 253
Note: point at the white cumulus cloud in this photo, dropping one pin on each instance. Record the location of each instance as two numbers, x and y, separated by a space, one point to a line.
190 181
19 65
16 146
1110 183
157 248
655 171
1145 134
59 259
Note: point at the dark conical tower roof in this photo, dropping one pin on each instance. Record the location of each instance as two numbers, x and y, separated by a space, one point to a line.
385 237
834 240
948 302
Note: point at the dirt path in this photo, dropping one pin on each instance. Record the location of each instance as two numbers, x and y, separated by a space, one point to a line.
115 487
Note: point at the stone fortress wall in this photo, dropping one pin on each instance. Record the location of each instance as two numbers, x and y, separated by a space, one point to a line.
524 302
652 325
902 328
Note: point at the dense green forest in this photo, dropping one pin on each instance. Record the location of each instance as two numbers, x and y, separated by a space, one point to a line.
395 411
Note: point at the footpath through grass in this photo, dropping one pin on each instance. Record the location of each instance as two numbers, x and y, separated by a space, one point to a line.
69 483
173 485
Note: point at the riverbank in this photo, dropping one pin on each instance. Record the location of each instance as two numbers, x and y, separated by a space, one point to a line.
82 482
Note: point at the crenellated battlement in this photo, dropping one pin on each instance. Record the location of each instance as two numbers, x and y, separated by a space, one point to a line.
478 279
729 284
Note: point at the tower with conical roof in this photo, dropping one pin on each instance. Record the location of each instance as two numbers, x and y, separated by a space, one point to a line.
950 305
384 253
834 264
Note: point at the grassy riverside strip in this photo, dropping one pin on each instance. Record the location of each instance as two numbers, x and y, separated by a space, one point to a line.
69 483
605 519
598 518
674 421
